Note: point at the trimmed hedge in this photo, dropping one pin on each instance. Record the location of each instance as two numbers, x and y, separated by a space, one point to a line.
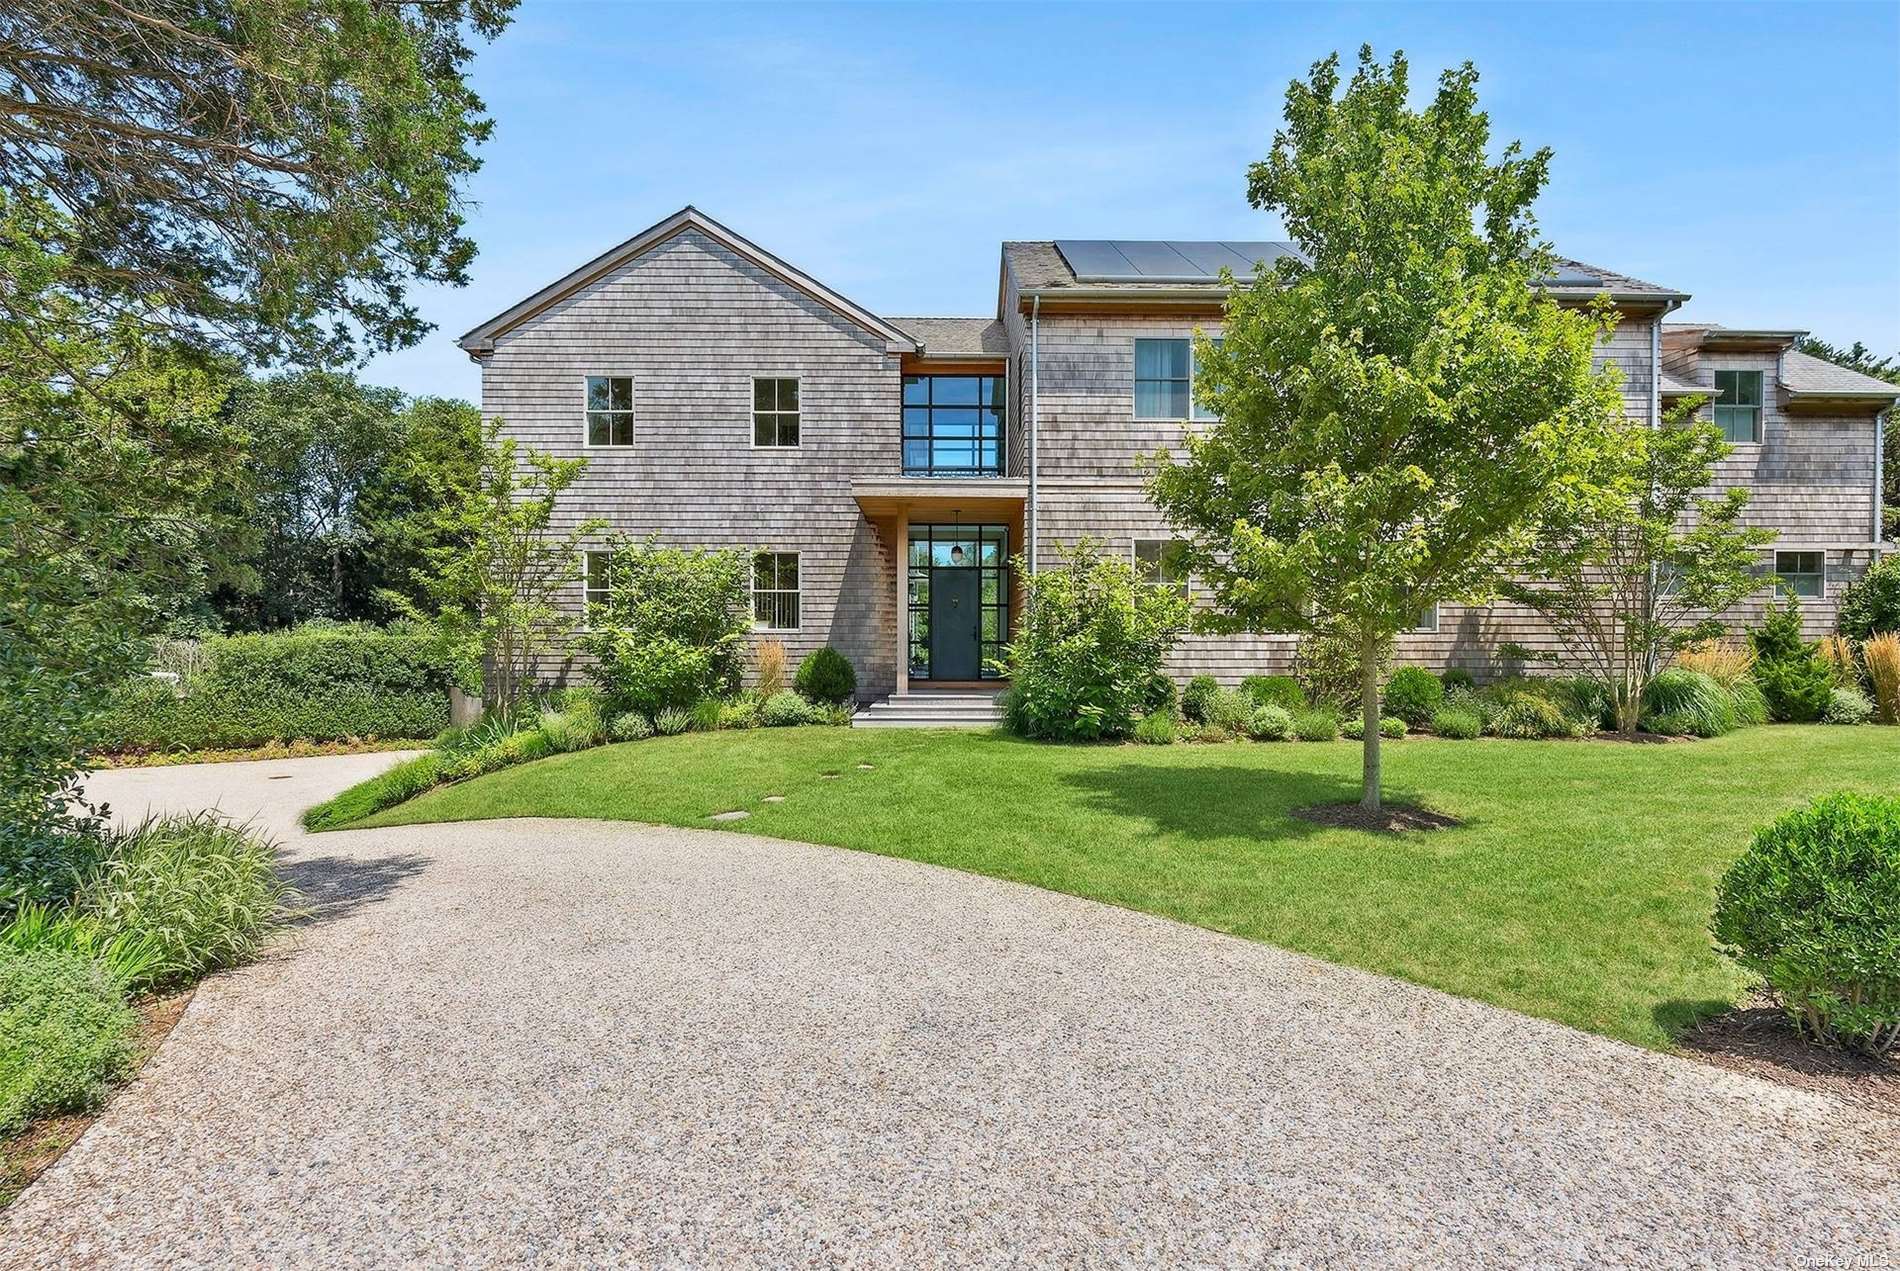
324 685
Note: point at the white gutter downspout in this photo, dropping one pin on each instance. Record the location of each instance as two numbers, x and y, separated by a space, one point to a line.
1880 455
1035 419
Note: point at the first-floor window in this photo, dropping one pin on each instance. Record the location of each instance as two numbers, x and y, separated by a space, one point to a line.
595 583
1803 573
775 591
1427 620
1162 561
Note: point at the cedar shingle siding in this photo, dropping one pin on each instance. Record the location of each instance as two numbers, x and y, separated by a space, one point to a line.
693 318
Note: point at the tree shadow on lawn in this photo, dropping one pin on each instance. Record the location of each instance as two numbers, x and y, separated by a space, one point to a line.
335 887
1228 801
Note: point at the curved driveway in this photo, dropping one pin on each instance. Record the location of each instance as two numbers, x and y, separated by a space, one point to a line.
551 1043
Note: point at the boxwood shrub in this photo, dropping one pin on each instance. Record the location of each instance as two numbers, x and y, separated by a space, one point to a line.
1275 690
1412 694
1810 908
826 677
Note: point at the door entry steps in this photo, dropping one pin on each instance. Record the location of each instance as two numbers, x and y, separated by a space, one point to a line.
933 708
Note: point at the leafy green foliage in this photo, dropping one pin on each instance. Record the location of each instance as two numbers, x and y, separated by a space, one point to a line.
1330 671
130 958
788 710
1156 729
1092 638
575 726
1316 725
629 726
1413 693
1795 680
1688 703
1271 723
1230 711
201 888
66 1033
1810 908
673 629
1457 677
393 785
1460 723
1399 403
1847 706
825 676
1196 699
673 721
1529 717
1871 603
1275 690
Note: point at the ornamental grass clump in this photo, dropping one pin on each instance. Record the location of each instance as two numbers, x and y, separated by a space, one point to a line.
1810 908
1882 656
1156 729
1692 703
1727 664
1316 725
1460 723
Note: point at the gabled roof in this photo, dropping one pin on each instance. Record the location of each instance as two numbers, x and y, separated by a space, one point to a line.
1573 279
1041 265
957 337
481 340
1809 376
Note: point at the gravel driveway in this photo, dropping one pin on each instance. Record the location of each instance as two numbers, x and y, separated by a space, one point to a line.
554 1043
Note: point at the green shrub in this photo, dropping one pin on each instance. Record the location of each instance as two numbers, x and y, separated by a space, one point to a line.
1327 668
1230 710
1092 638
1413 693
1275 690
741 712
1352 728
708 714
1316 725
1848 706
1160 694
45 868
1156 729
575 728
1201 690
1584 701
1810 908
1670 725
1692 702
1528 717
203 889
1271 723
673 628
788 710
825 676
1392 726
1871 603
1461 723
630 726
66 1034
1795 680
1457 677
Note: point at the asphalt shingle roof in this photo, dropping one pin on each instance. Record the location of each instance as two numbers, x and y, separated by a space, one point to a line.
1803 373
956 335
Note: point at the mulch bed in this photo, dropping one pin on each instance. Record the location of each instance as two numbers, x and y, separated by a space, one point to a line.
1756 1038
25 1155
1393 818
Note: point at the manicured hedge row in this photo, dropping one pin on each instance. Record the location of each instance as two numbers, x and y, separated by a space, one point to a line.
315 686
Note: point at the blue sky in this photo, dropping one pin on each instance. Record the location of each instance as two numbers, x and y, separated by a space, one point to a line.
1748 154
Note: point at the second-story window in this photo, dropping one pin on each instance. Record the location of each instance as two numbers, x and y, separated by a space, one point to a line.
774 411
1164 381
610 410
1738 405
953 425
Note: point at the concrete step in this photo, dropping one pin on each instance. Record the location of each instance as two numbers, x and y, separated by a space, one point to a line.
926 708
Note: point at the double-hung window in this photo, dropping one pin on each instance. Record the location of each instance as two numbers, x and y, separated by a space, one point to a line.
596 583
1164 380
610 410
1162 562
1803 573
1738 405
774 411
1426 622
775 591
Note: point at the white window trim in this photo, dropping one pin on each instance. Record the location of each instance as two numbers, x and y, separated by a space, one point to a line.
1761 406
752 587
632 411
587 606
752 411
1133 379
1775 571
1134 558
1423 629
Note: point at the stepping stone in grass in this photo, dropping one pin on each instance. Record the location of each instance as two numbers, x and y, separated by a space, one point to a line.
866 767
730 816
827 776
775 798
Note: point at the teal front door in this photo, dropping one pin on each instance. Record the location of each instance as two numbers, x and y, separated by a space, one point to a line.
955 615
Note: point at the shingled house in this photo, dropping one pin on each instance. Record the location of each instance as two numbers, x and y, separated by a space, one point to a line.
885 469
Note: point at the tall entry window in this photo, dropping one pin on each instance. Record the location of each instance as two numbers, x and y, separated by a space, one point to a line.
959 600
953 425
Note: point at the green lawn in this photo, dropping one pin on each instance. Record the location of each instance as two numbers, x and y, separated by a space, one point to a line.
1578 887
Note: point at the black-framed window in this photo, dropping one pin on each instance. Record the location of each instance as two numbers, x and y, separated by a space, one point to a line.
775 591
953 425
1164 380
979 547
1803 573
1738 405
610 410
774 411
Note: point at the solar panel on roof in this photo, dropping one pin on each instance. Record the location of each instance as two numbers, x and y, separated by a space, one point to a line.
1093 258
1572 276
1164 260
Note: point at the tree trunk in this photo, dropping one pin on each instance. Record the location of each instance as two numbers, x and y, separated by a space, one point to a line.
1369 710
